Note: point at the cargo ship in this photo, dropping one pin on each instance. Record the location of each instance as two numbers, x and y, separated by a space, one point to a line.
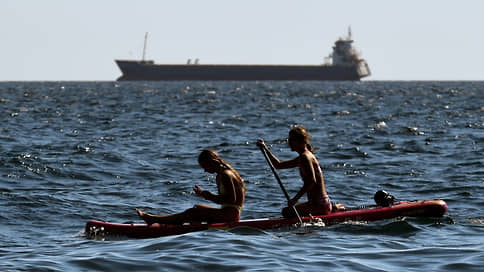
344 63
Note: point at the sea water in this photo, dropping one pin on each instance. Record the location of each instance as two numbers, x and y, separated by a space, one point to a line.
76 151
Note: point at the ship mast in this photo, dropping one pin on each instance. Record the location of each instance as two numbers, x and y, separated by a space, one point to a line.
144 47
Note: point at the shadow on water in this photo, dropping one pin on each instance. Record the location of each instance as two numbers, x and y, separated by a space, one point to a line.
404 227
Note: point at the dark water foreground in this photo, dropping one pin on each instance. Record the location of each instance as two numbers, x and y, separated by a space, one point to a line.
71 152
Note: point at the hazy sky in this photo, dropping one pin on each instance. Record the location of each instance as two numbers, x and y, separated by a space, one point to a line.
79 40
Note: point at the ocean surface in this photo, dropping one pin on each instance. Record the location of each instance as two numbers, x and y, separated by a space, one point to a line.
76 151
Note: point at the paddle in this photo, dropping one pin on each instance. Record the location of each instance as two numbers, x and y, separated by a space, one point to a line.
279 181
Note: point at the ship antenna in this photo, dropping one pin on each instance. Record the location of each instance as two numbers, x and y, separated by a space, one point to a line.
144 47
349 32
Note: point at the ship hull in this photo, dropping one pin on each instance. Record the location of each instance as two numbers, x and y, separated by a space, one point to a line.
147 70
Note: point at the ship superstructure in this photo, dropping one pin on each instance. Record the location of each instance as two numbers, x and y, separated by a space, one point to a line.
344 54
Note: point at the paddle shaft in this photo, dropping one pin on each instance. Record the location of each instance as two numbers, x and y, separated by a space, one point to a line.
279 181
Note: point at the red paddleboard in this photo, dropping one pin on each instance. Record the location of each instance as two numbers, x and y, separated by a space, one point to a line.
421 208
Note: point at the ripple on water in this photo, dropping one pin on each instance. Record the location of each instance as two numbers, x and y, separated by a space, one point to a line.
75 151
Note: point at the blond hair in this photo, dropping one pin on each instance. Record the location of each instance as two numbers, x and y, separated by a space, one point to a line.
300 134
